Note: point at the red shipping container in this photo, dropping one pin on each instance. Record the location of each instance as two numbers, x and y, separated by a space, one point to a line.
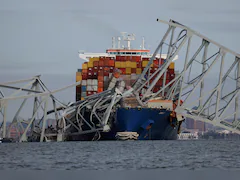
95 70
101 57
111 63
138 58
145 59
167 81
123 70
160 82
106 62
100 73
124 58
89 74
151 70
90 69
139 64
118 58
106 73
133 70
172 76
111 69
95 63
78 89
101 63
168 75
84 76
171 71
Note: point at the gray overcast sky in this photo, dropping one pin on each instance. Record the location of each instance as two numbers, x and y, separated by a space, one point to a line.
43 37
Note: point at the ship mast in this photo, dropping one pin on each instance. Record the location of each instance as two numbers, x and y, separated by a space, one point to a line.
128 38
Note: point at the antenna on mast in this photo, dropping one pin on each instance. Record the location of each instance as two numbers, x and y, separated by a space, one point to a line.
143 43
113 42
119 42
128 38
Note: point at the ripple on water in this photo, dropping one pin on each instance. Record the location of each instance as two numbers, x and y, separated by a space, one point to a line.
117 155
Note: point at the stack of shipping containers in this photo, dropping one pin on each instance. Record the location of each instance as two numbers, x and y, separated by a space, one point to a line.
96 73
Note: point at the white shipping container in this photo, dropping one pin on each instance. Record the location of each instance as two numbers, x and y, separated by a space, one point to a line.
89 88
95 88
84 82
94 82
89 82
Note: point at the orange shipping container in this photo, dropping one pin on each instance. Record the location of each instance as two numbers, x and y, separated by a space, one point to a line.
100 89
100 78
111 63
100 84
84 71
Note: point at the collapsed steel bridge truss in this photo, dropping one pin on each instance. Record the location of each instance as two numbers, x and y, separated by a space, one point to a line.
208 81
40 96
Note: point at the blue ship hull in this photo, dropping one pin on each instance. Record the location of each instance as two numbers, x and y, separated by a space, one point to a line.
150 124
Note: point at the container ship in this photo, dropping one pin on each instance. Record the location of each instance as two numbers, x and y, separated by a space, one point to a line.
156 121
